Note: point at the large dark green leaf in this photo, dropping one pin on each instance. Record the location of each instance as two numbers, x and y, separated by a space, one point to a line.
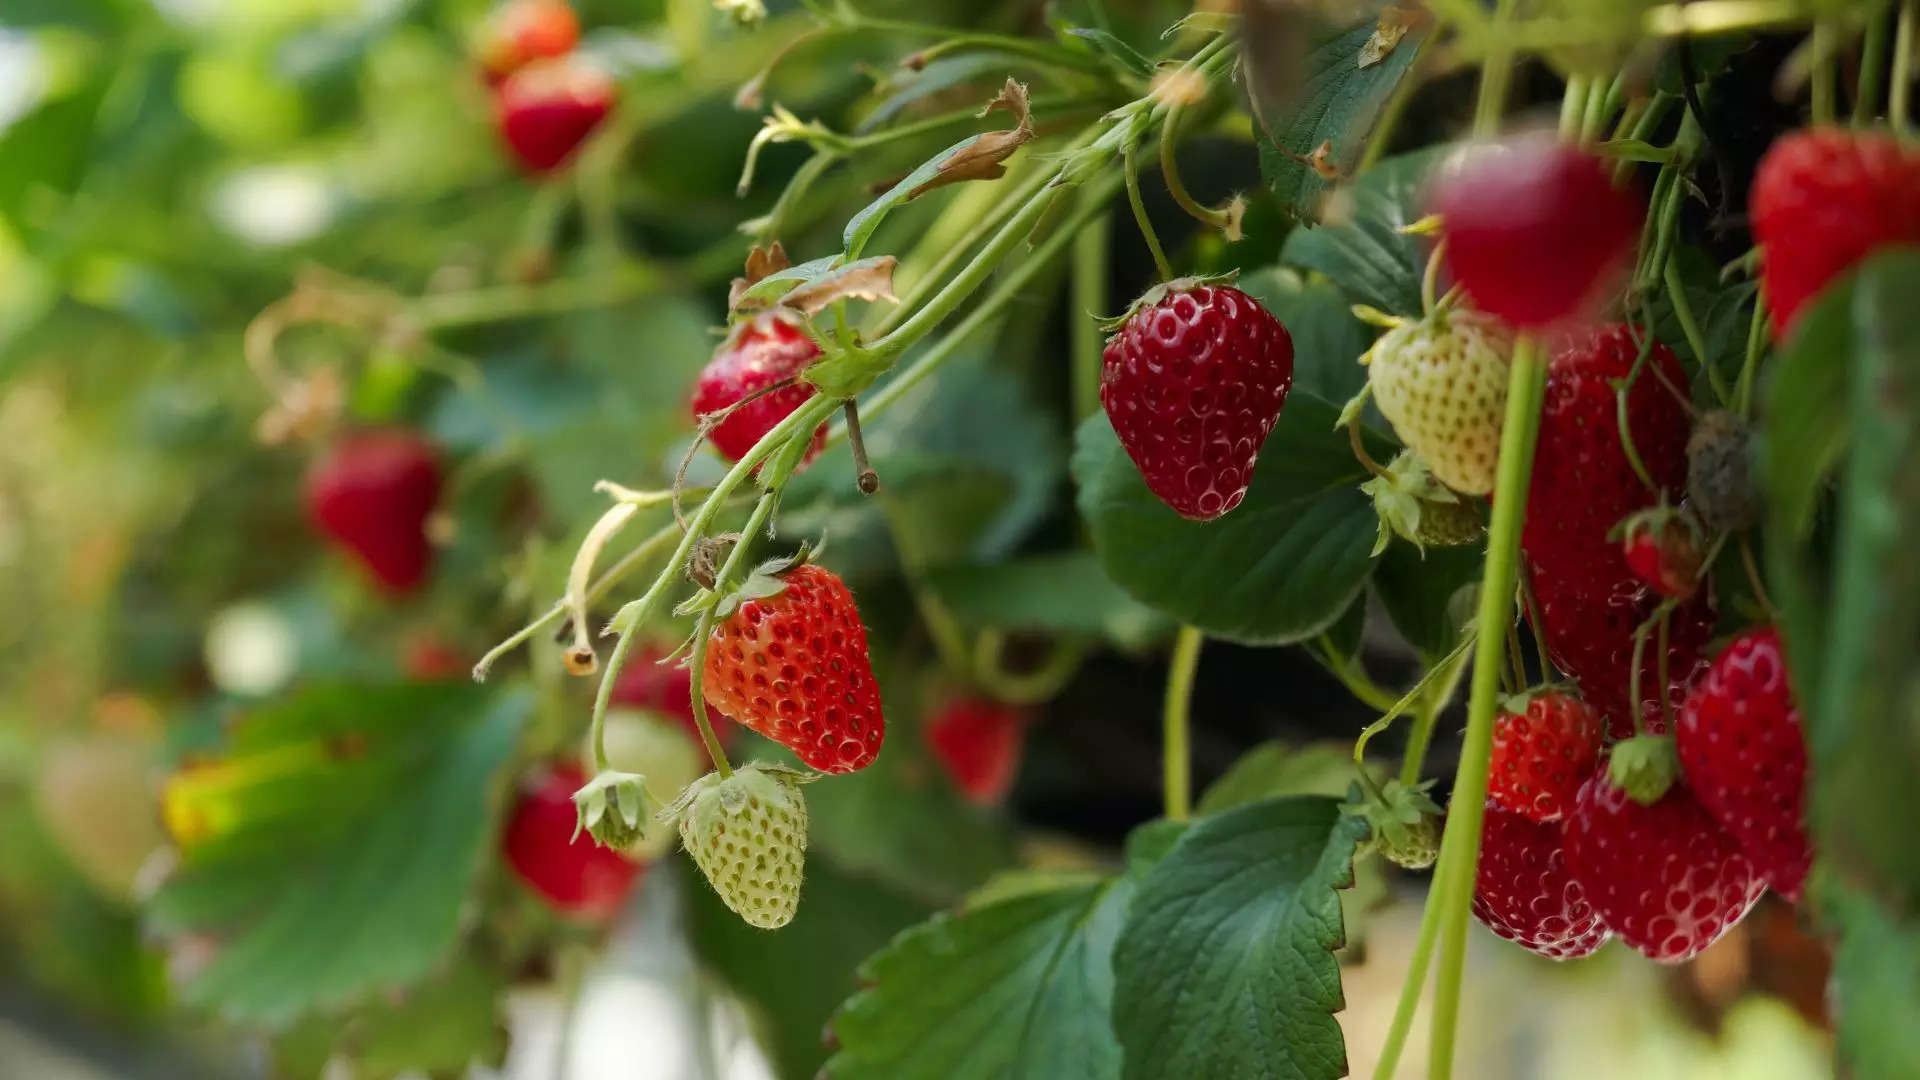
1281 567
1226 964
1422 593
334 850
1327 339
1365 253
1336 104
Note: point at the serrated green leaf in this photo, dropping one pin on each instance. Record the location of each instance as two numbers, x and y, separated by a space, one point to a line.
1338 105
1364 253
1422 594
323 905
1226 967
1281 567
1063 593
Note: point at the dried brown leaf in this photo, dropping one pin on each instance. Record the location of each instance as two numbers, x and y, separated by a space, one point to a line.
761 261
868 279
1393 25
984 157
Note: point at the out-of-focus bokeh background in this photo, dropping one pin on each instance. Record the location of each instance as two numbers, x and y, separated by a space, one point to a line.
176 901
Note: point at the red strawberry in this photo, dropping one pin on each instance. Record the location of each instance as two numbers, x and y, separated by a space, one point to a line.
428 657
1193 383
575 874
371 494
522 31
1743 754
1663 551
794 667
979 742
1542 753
760 352
1666 878
1536 232
548 108
1823 201
1590 600
1523 891
667 689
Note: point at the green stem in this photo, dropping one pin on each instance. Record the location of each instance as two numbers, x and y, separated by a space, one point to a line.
1873 70
1091 251
504 303
950 39
1416 977
1025 687
1037 104
1690 326
1131 173
1495 74
1355 678
702 638
1433 702
1756 344
1573 102
1170 173
1900 99
1825 44
1175 755
1525 386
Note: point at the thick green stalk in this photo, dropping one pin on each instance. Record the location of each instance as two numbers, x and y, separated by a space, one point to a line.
1525 385
1825 43
1900 100
1090 254
1176 757
1873 70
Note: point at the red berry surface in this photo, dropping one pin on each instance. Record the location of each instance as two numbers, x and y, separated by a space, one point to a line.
1745 757
1666 878
371 494
1666 561
1193 384
667 689
794 667
759 353
1523 891
547 109
522 31
1542 753
1822 201
575 874
1589 599
979 743
1536 231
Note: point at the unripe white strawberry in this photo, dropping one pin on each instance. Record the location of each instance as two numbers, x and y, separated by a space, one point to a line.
748 834
1441 382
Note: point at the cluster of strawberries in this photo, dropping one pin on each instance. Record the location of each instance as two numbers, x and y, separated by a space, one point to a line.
547 97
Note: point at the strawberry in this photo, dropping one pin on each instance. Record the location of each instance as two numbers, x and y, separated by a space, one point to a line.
978 741
573 873
1543 747
1403 822
371 493
1721 487
522 31
1441 382
1745 757
748 834
1523 891
1665 877
1663 550
547 109
1411 504
428 657
1193 382
793 666
1590 601
760 352
656 748
1536 232
1822 201
665 689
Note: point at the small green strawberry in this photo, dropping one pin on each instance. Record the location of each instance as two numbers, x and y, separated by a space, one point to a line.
658 749
1406 826
748 834
1441 381
1416 507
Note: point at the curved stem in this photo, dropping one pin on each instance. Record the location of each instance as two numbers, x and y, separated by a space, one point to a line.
1127 166
1175 755
1495 74
1756 344
702 638
1352 676
1360 449
1690 326
1170 174
1526 383
1090 256
1433 702
1025 687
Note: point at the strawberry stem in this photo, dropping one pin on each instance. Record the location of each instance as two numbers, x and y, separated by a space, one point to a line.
1690 326
702 637
1825 45
1131 170
865 478
1899 100
1226 220
1090 259
1175 755
1756 344
1873 70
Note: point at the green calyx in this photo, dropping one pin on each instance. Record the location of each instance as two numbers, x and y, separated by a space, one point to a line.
1405 822
1163 290
764 580
1645 767
613 807
1413 505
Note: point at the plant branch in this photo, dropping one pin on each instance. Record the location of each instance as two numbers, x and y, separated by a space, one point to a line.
1175 754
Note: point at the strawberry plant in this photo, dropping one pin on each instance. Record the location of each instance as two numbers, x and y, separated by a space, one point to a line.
889 481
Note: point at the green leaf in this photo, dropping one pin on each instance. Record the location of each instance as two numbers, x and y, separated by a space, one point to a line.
1226 967
439 1026
1111 47
1805 425
1423 596
1064 593
1877 966
941 75
1281 567
1277 768
1018 989
1365 253
1338 105
1327 340
329 880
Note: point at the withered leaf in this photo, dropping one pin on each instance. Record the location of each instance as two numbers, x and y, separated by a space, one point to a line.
761 261
867 279
983 158
1393 25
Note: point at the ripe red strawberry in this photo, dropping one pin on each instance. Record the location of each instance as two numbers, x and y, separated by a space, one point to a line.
1823 201
1523 891
371 494
1590 600
1542 752
1745 757
667 689
1663 551
573 873
1666 878
522 31
1536 231
758 353
547 109
979 742
793 666
1193 383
